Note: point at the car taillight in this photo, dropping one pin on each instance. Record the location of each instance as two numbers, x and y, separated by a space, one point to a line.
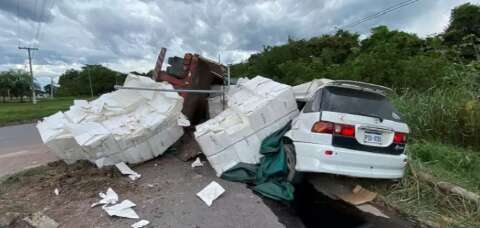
400 138
322 127
330 128
345 130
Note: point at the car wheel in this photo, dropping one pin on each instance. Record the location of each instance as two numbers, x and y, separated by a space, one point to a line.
291 160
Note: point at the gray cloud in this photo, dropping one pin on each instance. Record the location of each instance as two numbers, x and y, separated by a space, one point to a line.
38 10
127 35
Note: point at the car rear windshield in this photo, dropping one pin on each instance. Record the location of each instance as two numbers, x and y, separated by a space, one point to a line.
352 101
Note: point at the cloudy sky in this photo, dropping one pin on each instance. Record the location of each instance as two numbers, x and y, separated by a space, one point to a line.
127 35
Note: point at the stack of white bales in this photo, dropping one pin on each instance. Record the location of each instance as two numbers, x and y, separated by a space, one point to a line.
125 125
255 110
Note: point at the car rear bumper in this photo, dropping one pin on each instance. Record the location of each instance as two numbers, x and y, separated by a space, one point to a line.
312 158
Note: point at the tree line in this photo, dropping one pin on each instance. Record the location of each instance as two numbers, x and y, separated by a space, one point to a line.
389 57
89 80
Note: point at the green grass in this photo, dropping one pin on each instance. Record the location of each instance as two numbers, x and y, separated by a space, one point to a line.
425 202
11 113
450 163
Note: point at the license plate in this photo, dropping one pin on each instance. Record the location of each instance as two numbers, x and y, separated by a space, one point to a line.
372 138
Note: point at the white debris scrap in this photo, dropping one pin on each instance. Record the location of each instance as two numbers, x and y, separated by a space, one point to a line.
122 126
109 197
256 108
123 209
211 192
140 223
56 192
183 121
197 163
372 210
125 170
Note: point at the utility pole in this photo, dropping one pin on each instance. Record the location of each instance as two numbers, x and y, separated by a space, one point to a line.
51 87
29 49
90 82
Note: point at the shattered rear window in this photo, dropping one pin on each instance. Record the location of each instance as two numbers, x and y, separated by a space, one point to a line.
357 102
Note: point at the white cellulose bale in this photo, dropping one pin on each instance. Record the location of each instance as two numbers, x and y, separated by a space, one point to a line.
125 125
256 108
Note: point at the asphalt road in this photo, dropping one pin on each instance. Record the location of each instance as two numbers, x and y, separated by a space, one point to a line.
20 148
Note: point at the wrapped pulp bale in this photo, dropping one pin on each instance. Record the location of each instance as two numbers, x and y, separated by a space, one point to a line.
256 109
125 125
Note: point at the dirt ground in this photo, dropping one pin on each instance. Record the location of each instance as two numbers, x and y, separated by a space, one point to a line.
164 195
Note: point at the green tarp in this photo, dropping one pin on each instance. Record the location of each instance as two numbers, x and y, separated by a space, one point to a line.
270 176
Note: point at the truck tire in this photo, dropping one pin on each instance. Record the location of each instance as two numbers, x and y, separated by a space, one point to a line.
291 160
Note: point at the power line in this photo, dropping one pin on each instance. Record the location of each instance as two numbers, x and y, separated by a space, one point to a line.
17 23
378 14
40 19
35 12
49 8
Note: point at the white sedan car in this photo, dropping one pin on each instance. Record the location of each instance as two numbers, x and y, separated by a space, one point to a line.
347 128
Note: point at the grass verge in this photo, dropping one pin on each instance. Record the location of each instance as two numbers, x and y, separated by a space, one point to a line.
11 113
426 202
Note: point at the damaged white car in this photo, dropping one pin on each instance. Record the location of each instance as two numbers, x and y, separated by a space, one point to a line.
347 128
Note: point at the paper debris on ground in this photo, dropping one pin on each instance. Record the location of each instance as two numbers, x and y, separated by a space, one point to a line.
197 163
372 210
123 209
125 170
129 126
358 195
40 220
56 192
256 108
211 192
140 223
109 197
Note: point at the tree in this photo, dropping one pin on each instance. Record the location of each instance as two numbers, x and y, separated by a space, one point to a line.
69 83
22 85
48 89
463 32
7 83
464 20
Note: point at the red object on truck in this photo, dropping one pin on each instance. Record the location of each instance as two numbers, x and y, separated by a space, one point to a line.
192 72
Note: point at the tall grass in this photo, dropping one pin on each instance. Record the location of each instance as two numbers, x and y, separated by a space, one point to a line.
449 114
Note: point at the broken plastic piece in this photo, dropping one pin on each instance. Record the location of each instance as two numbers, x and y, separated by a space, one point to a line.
140 223
110 197
211 192
125 170
372 210
197 163
123 209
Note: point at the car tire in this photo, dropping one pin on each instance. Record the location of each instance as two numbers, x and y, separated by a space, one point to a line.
291 159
